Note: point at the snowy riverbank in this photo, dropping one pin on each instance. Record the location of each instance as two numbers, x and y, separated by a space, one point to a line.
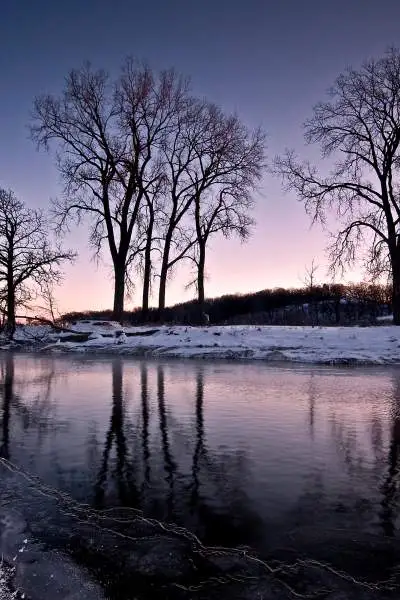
318 345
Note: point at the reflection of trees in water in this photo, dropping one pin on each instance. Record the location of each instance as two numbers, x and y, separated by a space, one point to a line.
387 463
199 448
348 449
311 403
123 473
362 469
170 466
7 393
210 498
38 413
144 395
209 495
390 486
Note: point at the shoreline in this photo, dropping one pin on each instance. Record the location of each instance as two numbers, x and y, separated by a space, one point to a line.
323 346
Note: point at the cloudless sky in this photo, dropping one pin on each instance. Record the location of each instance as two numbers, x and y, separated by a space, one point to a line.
270 61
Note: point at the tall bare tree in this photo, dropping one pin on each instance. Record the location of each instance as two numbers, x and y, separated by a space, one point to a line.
213 163
228 169
152 218
310 282
178 156
359 127
27 257
106 136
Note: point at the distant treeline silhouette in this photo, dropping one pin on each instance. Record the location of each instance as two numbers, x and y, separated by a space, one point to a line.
326 304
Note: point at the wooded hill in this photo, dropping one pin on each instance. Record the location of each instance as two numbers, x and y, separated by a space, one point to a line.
327 304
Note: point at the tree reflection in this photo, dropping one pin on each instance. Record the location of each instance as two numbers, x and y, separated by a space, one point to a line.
169 463
212 499
39 413
199 445
123 472
311 397
145 421
36 413
390 485
206 495
7 393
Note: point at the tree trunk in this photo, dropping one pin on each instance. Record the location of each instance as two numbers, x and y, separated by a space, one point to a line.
146 289
147 268
396 292
119 292
162 289
10 324
164 272
200 277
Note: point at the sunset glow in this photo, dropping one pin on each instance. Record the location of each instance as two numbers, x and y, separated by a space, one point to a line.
270 69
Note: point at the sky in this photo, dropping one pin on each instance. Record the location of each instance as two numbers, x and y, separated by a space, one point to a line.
269 61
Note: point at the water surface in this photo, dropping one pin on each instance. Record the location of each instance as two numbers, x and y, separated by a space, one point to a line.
285 460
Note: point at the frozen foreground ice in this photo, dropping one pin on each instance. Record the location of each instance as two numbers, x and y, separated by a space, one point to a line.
320 345
53 548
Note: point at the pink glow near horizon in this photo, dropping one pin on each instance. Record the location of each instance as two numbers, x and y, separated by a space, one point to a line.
269 62
269 259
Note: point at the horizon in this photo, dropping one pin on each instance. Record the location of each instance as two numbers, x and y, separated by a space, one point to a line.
304 288
253 60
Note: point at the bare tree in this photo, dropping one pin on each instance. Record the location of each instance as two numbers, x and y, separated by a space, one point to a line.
223 212
178 156
228 169
360 124
310 275
213 163
310 283
152 221
26 255
106 135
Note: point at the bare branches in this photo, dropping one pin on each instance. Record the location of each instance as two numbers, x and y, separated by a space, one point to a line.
106 137
360 127
135 154
26 255
213 164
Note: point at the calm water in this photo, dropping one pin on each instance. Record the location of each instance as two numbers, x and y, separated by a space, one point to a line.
276 458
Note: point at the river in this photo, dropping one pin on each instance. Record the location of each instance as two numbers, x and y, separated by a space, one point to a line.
285 461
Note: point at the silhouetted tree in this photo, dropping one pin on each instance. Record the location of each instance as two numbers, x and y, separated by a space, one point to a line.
213 162
106 135
229 165
26 254
310 283
360 125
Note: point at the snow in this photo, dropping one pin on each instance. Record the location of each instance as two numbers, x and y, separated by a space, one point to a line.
320 345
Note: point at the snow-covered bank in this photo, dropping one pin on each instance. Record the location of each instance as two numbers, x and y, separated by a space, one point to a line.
320 345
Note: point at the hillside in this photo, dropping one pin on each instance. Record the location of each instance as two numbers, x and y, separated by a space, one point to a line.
328 304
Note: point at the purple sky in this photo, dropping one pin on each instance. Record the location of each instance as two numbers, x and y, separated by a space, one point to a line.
269 61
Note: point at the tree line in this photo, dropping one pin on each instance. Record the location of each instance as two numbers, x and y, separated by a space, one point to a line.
154 173
329 304
151 170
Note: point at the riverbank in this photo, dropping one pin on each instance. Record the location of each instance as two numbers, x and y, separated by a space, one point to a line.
312 345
